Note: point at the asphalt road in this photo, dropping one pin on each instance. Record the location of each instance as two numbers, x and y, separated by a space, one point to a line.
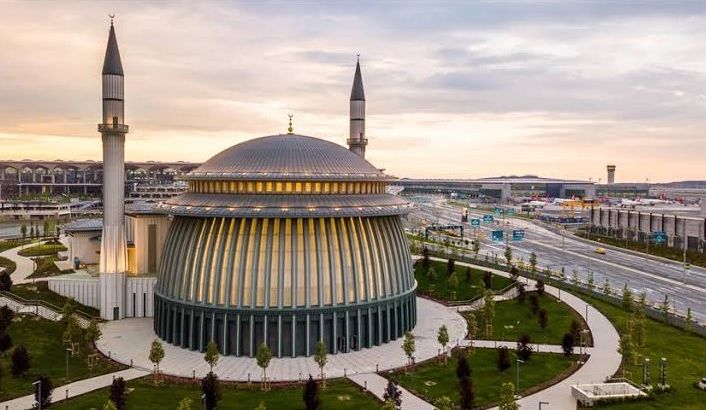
553 250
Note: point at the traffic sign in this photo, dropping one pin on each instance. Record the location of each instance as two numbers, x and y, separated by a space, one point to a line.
510 211
488 219
497 210
659 237
475 222
497 236
518 234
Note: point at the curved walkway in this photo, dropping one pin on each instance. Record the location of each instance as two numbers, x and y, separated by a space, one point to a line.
604 359
25 266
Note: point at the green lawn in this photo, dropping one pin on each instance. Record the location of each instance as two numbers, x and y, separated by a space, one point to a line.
7 266
513 319
686 362
432 380
438 286
43 340
45 267
42 249
39 291
6 244
340 395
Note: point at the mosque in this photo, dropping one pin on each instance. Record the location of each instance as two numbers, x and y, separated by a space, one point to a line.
284 240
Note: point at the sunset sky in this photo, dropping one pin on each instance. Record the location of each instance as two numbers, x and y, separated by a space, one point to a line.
454 89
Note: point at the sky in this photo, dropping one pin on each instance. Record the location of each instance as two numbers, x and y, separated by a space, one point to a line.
453 89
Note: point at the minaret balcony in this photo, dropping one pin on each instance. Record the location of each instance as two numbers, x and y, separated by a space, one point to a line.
357 141
113 128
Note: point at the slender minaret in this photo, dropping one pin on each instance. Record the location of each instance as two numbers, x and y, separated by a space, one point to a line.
357 140
113 256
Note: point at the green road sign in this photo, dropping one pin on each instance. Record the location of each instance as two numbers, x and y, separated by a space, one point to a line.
497 236
518 234
475 222
488 219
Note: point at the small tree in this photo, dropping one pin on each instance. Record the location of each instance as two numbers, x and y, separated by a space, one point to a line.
507 397
443 403
575 329
211 389
23 230
408 346
664 308
688 321
320 357
261 406
627 349
453 284
514 273
488 312
6 316
606 286
156 356
450 266
5 342
534 303
472 325
21 361
567 344
465 385
388 405
211 356
393 394
426 262
5 282
543 318
539 286
575 278
311 394
488 280
469 274
43 391
627 298
591 282
476 249
442 336
93 333
264 356
109 405
508 255
118 393
524 350
533 264
503 359
521 293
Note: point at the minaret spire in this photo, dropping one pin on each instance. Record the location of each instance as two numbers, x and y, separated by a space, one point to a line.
357 140
113 253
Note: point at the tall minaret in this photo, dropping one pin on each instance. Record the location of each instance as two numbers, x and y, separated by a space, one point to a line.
357 140
113 256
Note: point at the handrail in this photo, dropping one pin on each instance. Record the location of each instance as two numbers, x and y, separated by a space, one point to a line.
43 303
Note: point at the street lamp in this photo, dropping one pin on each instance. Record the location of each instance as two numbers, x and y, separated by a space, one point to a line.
38 385
68 351
517 386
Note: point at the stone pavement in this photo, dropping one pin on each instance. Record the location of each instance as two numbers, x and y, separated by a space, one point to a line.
129 341
74 389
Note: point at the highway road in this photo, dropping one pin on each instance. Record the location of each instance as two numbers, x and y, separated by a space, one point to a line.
554 250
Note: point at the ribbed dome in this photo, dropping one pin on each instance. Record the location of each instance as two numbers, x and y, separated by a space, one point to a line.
287 156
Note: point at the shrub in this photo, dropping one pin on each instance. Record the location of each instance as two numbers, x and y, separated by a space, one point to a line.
488 279
42 391
21 361
393 394
543 318
567 344
211 388
524 350
540 287
503 359
311 394
534 303
118 393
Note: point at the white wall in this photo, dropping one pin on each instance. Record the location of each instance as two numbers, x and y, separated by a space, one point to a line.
81 287
81 246
141 289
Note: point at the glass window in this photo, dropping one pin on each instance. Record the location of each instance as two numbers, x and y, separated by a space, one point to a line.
268 186
289 187
278 186
298 187
259 186
307 187
317 187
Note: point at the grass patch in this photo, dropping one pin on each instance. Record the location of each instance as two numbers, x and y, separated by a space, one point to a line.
45 267
49 248
439 285
433 380
40 291
43 340
7 266
686 361
339 395
6 244
513 319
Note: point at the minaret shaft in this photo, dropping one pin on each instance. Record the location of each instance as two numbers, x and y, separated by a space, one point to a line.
113 256
356 139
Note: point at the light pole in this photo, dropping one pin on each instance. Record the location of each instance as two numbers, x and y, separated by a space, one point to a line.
517 386
67 364
38 385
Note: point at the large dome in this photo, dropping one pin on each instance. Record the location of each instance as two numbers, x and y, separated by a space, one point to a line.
287 156
285 240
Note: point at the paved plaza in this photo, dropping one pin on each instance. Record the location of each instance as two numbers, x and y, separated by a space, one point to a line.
128 341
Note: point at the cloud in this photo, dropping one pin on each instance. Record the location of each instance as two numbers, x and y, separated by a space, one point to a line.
454 89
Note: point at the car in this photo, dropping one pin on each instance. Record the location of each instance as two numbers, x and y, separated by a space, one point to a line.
600 251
